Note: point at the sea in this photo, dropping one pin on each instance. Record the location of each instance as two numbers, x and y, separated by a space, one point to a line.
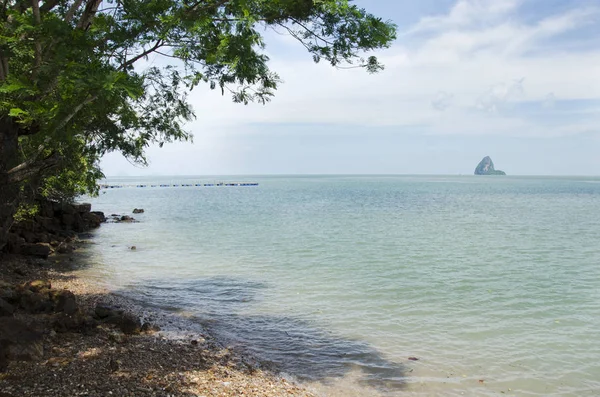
373 285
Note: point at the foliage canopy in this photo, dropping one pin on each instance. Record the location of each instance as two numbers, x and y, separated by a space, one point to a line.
72 88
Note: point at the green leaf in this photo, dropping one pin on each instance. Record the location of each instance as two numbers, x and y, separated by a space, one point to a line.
16 112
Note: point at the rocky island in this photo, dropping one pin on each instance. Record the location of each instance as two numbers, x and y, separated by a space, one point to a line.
486 167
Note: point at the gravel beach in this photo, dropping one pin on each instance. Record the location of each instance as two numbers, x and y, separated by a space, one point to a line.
98 359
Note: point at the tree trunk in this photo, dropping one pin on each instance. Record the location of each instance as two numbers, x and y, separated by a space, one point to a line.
9 192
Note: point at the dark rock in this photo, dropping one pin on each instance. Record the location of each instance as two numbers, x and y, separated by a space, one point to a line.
7 292
41 238
126 322
100 215
138 211
46 209
126 218
102 311
130 324
14 243
114 364
93 220
64 248
486 167
36 302
20 341
48 224
41 250
29 237
83 207
6 309
3 355
67 234
19 271
65 302
79 224
66 208
41 262
67 220
77 322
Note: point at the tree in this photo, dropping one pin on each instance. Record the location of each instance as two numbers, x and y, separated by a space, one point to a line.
70 91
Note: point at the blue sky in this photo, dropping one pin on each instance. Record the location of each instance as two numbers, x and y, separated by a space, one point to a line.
514 79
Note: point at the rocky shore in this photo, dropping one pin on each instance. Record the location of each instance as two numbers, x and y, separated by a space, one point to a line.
61 335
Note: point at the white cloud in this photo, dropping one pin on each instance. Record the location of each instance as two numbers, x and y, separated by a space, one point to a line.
479 52
442 101
466 13
500 95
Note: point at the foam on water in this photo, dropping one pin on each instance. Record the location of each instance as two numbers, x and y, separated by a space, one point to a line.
492 283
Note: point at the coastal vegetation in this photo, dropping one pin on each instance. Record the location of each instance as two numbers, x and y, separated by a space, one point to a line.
74 84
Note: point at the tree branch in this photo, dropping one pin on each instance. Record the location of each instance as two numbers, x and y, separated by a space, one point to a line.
3 67
71 12
75 110
33 166
310 31
91 7
136 58
49 5
35 6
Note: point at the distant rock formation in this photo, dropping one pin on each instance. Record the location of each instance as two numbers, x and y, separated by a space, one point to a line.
486 167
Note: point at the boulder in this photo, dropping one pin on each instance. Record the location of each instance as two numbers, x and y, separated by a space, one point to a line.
101 311
49 224
29 237
129 324
79 224
46 209
15 242
67 220
6 309
126 218
64 301
138 211
41 238
3 356
64 248
64 208
82 207
36 302
100 215
93 220
63 322
41 250
126 322
67 235
19 341
7 292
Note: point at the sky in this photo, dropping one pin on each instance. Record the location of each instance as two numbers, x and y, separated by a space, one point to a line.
518 80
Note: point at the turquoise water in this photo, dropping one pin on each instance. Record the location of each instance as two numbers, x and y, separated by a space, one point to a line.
492 283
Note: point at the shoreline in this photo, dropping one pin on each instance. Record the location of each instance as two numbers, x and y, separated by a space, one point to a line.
177 358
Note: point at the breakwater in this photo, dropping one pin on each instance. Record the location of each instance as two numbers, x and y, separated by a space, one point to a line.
172 185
